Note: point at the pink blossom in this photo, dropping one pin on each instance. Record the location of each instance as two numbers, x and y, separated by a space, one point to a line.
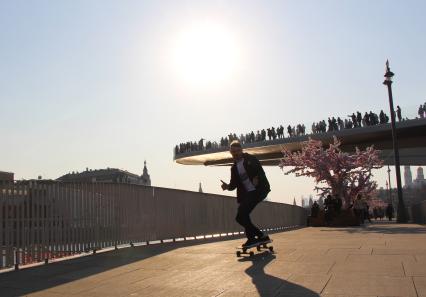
335 172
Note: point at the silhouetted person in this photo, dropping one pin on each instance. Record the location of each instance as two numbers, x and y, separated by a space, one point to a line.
389 211
337 203
315 209
248 177
329 209
358 118
367 211
354 119
398 113
366 119
289 131
359 209
421 111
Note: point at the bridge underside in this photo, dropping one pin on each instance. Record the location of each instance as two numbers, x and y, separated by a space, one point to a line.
411 138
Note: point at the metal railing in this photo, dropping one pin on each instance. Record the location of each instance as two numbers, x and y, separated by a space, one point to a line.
43 221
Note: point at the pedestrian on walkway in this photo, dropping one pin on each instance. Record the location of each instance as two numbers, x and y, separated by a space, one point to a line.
329 209
359 209
366 211
389 211
315 209
248 177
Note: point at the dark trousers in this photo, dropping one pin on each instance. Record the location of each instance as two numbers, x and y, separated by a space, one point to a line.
248 203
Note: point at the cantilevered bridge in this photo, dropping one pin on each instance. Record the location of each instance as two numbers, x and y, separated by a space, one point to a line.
411 137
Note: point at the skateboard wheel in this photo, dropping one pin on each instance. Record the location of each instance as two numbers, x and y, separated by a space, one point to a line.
238 254
251 254
258 248
244 251
271 248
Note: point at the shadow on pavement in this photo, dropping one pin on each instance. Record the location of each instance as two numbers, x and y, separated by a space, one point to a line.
34 279
268 285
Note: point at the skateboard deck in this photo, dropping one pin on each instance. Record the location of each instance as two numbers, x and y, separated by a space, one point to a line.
259 246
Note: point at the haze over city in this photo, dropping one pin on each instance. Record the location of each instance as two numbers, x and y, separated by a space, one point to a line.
111 84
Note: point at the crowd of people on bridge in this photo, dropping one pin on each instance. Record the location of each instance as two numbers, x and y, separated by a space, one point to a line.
355 120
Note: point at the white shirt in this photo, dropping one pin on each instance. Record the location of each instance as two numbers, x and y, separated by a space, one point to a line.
244 177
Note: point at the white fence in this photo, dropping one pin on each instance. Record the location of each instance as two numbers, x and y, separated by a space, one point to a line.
39 222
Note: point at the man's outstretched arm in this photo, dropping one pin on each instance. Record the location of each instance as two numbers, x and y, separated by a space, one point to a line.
232 184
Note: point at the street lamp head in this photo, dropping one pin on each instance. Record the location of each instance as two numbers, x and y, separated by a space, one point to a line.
388 75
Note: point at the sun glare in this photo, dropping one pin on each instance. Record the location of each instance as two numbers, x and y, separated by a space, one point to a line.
205 54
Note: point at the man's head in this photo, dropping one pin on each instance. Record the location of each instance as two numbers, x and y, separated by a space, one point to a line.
236 150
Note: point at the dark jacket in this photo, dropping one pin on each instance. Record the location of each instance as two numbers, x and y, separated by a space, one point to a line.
253 169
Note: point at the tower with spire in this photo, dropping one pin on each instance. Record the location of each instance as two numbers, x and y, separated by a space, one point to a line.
200 189
420 175
408 179
146 179
420 180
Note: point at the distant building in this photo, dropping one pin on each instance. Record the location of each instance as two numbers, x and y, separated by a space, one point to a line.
146 179
420 180
200 189
6 177
109 175
294 201
407 177
409 182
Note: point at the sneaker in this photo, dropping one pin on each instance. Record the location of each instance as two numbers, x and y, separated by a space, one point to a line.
249 242
264 238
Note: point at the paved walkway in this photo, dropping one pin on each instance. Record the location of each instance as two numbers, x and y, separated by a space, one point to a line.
379 260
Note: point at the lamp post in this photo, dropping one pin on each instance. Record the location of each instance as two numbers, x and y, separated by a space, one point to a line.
402 215
390 187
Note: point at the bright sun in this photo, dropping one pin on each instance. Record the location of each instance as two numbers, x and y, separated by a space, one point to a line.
206 54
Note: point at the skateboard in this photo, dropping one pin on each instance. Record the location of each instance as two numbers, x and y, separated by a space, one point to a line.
259 246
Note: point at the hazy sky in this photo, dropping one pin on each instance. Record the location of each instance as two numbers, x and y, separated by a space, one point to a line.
111 83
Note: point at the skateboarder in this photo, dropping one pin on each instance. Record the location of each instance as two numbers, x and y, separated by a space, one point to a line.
248 177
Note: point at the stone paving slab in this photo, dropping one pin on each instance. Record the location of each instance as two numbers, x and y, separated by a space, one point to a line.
420 284
402 251
414 269
381 259
371 285
420 258
372 266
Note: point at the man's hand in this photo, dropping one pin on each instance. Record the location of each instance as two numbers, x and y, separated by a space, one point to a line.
224 185
255 181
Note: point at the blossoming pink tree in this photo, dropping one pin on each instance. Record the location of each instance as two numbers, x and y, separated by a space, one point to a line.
334 171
